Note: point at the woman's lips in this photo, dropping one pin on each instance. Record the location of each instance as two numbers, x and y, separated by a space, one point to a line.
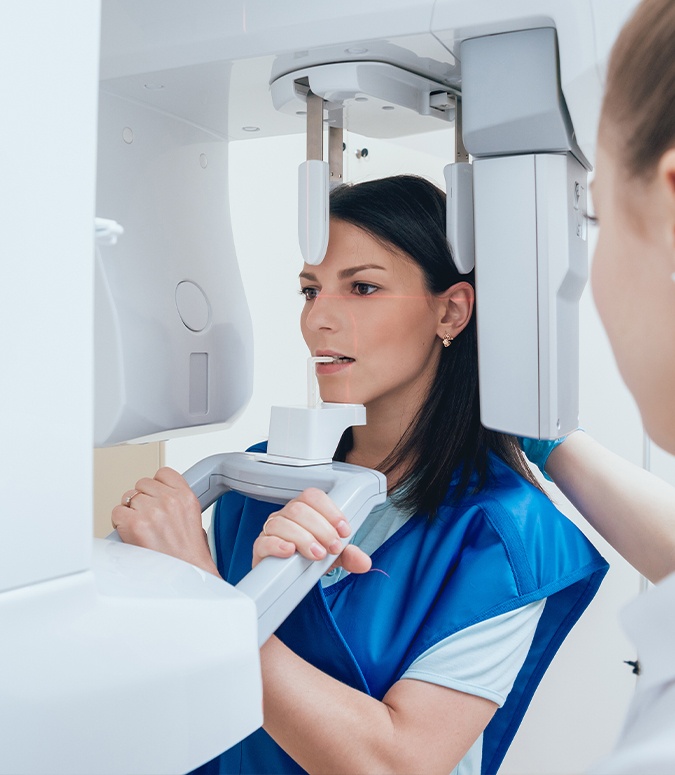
340 363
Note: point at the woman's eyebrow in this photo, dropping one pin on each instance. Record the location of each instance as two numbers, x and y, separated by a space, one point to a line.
344 273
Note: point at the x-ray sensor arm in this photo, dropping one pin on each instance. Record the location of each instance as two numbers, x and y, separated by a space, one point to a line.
516 214
531 248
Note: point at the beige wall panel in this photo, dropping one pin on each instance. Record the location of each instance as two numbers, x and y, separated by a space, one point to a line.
117 469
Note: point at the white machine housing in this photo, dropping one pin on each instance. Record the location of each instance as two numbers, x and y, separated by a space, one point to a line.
196 74
173 340
529 190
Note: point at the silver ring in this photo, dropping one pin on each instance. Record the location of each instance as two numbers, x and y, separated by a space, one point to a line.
127 500
265 525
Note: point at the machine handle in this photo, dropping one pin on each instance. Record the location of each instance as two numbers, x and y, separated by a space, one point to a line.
277 585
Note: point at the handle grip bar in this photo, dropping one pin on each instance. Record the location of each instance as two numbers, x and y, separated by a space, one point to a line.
277 585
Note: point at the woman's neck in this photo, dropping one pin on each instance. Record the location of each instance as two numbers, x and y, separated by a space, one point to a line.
375 441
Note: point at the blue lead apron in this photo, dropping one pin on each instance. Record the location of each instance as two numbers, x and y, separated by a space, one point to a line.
490 553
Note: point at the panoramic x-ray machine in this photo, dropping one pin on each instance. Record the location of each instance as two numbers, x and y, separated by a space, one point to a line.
118 659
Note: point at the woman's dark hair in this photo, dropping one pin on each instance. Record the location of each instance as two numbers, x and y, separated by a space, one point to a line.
446 437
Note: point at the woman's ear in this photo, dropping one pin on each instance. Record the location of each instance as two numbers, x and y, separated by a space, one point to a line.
456 309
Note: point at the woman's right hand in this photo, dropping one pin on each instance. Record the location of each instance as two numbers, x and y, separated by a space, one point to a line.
314 526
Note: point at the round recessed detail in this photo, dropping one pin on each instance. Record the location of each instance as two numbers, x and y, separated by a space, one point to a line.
128 135
251 128
387 107
355 50
203 161
153 86
193 306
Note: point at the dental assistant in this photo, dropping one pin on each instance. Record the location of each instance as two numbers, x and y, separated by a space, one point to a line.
633 278
421 651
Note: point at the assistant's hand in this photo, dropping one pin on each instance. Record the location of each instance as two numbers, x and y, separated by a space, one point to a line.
313 525
163 514
537 451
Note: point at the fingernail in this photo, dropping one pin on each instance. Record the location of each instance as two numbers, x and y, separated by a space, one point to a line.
317 550
335 547
343 528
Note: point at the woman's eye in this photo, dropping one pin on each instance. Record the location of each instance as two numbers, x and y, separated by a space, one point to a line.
363 289
309 293
592 220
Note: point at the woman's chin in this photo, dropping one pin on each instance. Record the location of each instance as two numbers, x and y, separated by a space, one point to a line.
339 397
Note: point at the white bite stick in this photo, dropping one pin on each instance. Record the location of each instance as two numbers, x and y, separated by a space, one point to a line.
312 391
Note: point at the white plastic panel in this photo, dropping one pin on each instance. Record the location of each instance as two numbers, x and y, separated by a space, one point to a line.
506 293
173 332
166 34
457 20
142 666
48 162
459 214
499 119
311 434
531 266
377 85
313 207
562 273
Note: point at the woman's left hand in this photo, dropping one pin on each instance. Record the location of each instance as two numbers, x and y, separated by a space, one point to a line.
314 526
163 514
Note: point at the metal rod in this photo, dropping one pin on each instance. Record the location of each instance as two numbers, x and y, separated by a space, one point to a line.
314 127
461 154
335 154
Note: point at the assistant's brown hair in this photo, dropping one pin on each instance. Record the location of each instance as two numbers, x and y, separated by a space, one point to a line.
638 111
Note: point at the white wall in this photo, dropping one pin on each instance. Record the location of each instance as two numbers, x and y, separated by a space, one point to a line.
578 710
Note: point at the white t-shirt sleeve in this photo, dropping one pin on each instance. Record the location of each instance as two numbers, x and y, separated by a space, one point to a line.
484 659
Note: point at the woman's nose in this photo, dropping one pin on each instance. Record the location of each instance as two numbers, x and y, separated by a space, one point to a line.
325 312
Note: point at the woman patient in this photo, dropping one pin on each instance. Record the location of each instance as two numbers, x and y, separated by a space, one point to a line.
421 650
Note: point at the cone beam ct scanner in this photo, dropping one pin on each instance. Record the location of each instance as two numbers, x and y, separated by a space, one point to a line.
119 659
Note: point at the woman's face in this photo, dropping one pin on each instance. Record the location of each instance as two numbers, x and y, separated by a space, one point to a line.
634 291
369 304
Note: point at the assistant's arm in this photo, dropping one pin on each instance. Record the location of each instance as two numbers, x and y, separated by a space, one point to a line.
630 507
